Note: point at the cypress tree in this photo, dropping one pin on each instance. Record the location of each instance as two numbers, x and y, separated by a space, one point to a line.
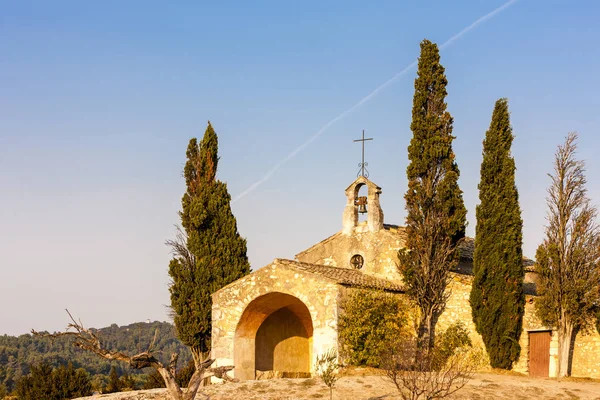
209 252
568 260
436 217
497 299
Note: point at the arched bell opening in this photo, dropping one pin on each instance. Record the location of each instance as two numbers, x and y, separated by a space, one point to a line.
274 334
367 201
361 202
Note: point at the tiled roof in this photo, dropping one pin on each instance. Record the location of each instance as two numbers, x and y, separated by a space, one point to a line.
467 247
343 276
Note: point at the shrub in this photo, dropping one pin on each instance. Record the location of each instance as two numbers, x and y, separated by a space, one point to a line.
114 383
449 341
436 373
154 380
183 375
369 320
61 383
326 369
127 382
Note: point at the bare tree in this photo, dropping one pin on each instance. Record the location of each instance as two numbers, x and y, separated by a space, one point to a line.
568 259
86 339
429 375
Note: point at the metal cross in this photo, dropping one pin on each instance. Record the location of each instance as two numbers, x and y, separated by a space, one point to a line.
363 171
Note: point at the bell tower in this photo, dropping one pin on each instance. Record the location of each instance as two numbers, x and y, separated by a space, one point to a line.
368 204
365 205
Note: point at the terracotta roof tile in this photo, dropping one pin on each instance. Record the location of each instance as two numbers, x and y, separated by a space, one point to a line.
343 276
467 247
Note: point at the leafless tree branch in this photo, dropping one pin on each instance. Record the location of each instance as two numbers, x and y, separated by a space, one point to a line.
428 375
88 340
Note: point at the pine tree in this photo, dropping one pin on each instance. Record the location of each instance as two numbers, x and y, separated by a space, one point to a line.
436 212
114 383
497 299
209 252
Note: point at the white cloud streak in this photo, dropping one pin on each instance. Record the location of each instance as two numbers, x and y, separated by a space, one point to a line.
368 97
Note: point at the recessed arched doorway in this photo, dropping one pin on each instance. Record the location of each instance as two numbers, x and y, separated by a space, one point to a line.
274 334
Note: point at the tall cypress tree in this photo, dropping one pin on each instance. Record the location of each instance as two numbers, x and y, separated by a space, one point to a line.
209 253
436 213
568 260
497 299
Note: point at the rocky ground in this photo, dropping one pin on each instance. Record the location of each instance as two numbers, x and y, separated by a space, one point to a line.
370 387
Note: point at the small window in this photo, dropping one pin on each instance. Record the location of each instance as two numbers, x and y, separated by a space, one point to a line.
357 261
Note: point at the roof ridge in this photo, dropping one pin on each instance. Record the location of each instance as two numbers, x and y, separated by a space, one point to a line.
303 263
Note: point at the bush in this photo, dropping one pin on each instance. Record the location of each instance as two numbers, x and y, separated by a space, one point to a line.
326 369
183 375
61 383
369 320
127 382
449 341
154 380
114 383
436 373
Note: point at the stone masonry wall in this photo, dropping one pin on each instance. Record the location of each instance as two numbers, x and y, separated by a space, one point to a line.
318 294
378 249
586 355
458 308
322 298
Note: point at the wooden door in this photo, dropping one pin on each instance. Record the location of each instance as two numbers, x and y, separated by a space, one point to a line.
539 354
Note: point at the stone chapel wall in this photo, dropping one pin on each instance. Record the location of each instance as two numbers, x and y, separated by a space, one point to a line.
378 249
458 308
586 354
319 296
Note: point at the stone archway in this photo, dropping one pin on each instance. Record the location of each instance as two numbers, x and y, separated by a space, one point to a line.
274 334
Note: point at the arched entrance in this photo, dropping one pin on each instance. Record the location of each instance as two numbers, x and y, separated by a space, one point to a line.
274 334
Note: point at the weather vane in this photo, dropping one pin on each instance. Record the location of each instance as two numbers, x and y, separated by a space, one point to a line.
362 165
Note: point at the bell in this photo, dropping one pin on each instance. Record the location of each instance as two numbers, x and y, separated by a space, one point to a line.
361 202
362 208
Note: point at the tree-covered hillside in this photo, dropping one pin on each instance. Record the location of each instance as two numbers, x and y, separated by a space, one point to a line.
18 353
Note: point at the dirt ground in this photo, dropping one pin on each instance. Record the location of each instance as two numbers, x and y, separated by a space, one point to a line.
483 386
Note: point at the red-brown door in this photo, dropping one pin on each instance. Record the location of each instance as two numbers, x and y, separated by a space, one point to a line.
539 354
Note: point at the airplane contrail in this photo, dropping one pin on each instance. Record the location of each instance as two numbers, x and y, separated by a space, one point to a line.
368 97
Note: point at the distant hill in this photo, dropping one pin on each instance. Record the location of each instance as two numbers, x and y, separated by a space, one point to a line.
18 352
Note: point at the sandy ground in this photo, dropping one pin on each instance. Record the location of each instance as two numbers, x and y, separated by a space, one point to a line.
483 386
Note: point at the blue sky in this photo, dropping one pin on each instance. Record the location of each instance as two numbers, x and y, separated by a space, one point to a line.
99 99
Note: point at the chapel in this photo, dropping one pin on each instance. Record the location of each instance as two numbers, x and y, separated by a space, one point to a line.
275 321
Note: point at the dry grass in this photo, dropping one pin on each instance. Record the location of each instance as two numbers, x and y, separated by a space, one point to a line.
359 386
